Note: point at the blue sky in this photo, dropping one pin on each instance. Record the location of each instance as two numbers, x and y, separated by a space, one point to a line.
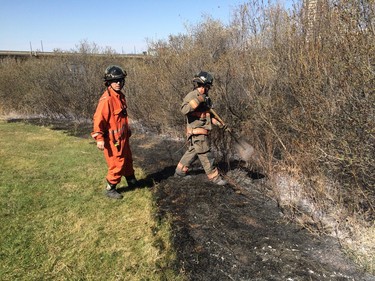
124 26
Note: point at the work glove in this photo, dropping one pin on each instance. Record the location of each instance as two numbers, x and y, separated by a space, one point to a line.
100 145
222 126
208 102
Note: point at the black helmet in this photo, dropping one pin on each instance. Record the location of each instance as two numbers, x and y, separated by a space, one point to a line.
114 72
203 78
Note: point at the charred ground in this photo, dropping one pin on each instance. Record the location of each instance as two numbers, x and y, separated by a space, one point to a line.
234 232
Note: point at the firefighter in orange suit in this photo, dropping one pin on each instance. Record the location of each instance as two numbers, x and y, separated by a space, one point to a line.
196 106
111 131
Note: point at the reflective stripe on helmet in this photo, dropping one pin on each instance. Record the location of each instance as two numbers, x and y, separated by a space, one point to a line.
114 72
203 78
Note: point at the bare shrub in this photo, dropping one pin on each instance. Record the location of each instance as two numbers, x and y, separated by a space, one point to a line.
300 91
66 85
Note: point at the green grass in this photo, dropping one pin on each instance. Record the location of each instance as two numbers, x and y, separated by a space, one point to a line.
57 225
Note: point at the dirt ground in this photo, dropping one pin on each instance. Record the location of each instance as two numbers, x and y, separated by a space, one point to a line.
231 232
234 232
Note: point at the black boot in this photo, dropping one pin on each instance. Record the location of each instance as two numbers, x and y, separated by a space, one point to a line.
111 191
181 175
132 181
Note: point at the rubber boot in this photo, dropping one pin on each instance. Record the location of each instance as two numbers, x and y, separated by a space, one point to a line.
111 191
132 181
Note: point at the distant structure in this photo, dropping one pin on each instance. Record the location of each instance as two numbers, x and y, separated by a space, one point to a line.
23 55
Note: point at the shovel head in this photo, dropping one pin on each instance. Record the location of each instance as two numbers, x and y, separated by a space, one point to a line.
244 149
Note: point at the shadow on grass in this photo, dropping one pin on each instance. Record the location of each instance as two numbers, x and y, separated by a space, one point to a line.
70 127
151 179
165 173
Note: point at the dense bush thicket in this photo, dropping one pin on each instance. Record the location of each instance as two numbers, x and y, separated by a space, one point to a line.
301 92
67 85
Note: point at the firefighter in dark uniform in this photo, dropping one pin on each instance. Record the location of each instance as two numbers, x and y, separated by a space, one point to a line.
196 106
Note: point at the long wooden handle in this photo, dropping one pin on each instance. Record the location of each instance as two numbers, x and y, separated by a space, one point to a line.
217 116
228 129
243 144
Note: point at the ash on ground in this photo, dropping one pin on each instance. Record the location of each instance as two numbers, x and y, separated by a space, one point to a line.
235 232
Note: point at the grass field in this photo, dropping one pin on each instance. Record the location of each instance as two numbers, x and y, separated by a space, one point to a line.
57 225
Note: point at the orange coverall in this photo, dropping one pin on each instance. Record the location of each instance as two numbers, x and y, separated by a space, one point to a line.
111 126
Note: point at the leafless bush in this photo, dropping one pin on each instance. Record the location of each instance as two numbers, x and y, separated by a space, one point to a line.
300 90
302 93
67 85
